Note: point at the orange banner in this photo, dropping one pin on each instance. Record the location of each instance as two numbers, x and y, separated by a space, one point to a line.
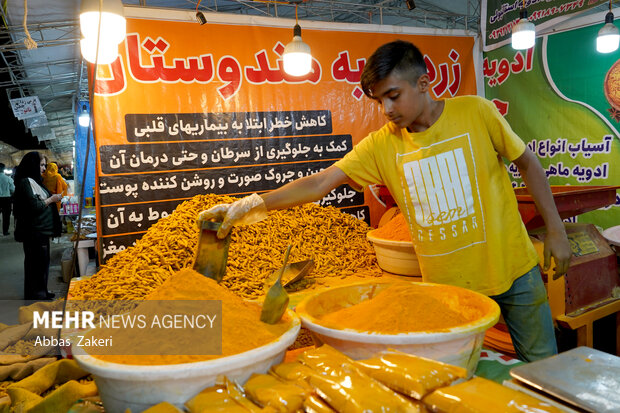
190 109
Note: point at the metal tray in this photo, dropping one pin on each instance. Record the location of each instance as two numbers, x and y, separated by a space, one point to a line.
584 377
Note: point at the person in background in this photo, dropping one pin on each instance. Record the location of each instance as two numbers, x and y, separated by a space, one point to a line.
6 191
36 220
442 162
54 182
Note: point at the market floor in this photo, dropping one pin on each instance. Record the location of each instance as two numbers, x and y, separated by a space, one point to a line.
12 273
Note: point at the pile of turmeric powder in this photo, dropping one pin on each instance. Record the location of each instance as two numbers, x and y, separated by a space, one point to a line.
242 329
336 241
396 229
409 307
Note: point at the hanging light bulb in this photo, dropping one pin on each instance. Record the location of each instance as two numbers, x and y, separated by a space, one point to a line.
523 33
84 117
103 26
104 54
296 56
609 36
113 24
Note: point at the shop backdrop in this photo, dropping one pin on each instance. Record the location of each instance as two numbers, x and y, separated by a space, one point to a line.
190 109
563 98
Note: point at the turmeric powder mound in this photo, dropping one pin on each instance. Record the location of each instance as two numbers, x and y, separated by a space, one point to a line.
242 329
396 229
336 241
407 307
167 247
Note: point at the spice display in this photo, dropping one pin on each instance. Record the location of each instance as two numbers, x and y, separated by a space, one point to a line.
336 241
396 229
410 375
484 396
242 329
420 308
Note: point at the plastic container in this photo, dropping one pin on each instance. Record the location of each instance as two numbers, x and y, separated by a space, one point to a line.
135 387
459 346
612 235
397 257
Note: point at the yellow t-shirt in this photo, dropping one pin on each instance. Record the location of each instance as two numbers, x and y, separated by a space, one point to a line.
452 186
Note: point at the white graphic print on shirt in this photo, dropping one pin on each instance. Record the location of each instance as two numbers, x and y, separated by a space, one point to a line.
441 196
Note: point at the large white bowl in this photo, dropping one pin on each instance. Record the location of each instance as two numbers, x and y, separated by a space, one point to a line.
397 257
137 387
612 235
459 346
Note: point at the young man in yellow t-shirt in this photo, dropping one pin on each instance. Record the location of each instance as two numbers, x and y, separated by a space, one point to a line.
442 162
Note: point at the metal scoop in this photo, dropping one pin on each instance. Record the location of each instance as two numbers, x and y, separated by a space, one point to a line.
212 252
276 299
292 272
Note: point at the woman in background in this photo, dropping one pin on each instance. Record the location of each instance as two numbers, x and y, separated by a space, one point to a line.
36 220
54 183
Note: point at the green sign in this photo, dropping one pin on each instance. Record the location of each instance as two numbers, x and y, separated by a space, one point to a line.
498 17
562 98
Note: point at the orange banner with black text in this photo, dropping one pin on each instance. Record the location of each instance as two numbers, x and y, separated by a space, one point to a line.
189 109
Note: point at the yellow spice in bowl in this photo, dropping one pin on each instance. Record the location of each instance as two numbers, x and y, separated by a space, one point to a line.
408 307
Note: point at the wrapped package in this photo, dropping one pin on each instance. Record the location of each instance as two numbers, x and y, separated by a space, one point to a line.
267 390
294 372
410 375
484 396
341 384
163 407
225 396
314 404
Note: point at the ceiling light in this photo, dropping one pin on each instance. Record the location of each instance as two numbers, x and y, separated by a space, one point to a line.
297 57
84 117
113 24
200 18
523 33
107 51
609 36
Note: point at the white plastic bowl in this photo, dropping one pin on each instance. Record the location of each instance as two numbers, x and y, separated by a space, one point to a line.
612 235
397 257
138 387
459 346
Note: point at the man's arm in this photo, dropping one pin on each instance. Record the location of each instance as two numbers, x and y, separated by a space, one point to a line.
307 189
556 242
253 208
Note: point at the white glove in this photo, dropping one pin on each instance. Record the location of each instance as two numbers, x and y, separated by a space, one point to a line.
244 211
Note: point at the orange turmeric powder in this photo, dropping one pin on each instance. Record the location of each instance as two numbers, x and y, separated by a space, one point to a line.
242 329
396 229
409 307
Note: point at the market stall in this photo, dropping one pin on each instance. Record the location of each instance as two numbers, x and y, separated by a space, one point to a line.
173 319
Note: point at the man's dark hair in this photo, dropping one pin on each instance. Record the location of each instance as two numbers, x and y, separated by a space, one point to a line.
398 56
2 166
29 167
